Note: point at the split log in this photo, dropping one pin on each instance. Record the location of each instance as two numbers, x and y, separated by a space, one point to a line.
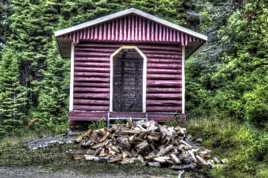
164 66
91 69
91 74
91 84
163 71
147 143
91 95
90 108
91 64
85 54
184 167
85 59
175 159
91 102
95 158
91 79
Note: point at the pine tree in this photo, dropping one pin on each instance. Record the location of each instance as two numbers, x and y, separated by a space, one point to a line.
51 110
4 12
13 96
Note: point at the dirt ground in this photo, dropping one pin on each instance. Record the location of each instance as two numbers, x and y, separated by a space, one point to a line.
19 160
40 172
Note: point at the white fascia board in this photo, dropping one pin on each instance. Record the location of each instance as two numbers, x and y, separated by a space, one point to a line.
171 25
129 11
92 22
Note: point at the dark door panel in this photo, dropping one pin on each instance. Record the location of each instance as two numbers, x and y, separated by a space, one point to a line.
127 92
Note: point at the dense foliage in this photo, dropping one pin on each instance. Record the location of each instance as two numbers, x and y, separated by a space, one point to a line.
4 12
235 82
33 77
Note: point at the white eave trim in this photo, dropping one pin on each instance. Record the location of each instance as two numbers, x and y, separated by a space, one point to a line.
71 95
183 81
129 11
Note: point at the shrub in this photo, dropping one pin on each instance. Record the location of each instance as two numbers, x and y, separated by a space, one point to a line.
258 115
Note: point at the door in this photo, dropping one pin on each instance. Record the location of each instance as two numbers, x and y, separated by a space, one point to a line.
127 81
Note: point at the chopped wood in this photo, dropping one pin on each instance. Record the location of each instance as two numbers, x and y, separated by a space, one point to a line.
161 159
165 150
175 159
146 142
204 162
184 167
142 145
95 158
154 164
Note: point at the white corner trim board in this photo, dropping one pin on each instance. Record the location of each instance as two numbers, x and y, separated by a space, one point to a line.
183 81
144 75
71 78
126 12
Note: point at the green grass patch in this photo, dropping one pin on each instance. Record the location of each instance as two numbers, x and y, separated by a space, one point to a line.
245 147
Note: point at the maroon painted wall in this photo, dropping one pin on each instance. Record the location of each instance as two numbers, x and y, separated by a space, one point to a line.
92 77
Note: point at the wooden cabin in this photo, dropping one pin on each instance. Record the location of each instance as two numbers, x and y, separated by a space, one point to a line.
127 64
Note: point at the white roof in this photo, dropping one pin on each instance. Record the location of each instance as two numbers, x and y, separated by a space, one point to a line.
126 12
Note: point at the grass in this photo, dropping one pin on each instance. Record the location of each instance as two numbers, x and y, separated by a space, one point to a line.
245 147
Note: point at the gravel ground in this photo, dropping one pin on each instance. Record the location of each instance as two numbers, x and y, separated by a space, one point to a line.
39 172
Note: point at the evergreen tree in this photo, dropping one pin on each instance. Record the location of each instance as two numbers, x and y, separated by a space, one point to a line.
53 91
13 96
4 11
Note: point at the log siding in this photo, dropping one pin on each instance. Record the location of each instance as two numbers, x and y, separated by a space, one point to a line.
91 89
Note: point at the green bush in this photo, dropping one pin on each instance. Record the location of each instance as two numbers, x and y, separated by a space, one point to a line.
258 115
256 107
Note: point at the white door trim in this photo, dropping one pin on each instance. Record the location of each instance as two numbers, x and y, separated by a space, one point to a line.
144 75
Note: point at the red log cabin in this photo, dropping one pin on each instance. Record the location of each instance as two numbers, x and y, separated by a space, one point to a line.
127 64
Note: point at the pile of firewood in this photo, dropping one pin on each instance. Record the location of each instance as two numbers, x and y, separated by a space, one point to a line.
146 142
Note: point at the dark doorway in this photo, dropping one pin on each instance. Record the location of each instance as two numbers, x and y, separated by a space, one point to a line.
127 81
